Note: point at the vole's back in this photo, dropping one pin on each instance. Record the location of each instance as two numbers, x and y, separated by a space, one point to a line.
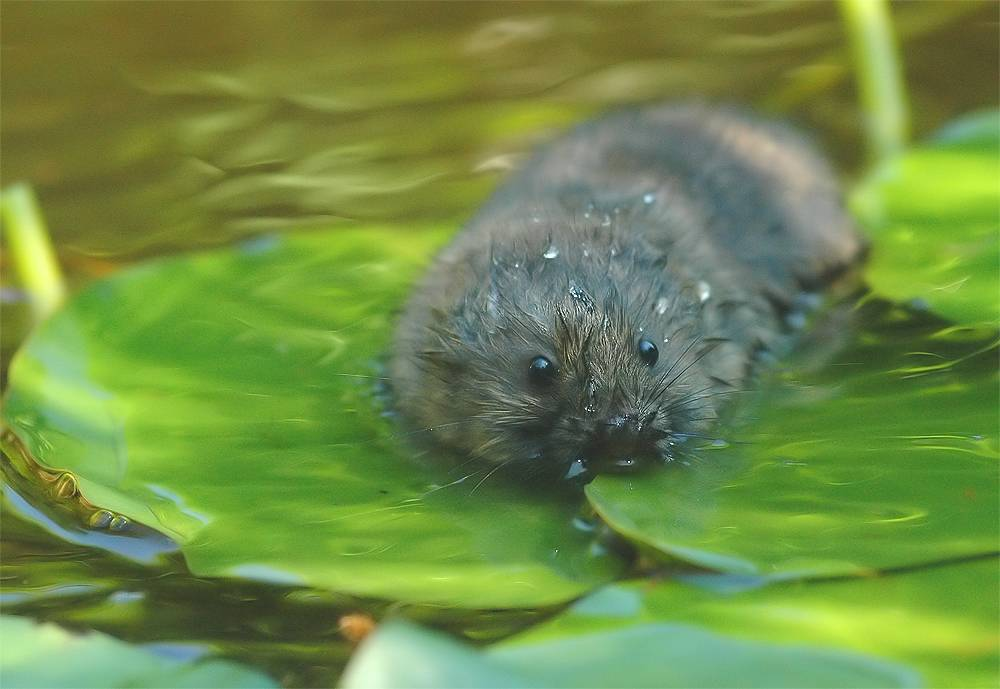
753 191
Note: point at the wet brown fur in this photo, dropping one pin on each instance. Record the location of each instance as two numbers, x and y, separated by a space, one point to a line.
690 226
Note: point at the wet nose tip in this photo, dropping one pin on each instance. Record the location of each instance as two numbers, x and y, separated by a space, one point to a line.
625 442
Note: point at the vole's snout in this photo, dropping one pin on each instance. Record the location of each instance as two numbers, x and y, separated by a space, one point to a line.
624 442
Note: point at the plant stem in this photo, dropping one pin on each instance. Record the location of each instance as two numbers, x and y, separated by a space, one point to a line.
31 250
879 75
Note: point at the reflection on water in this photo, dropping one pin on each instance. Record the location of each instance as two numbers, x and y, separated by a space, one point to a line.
151 127
293 633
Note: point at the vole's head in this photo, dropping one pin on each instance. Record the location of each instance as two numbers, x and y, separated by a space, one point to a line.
571 363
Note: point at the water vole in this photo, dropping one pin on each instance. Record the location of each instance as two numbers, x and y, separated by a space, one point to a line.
601 304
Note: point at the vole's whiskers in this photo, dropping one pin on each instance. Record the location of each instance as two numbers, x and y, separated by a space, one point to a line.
697 397
357 375
495 469
451 483
680 356
701 355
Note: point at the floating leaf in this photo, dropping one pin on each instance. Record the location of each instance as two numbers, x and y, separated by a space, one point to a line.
933 217
44 655
941 621
229 399
909 629
640 655
885 456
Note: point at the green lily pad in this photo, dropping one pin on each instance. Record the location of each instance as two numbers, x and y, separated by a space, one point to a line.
229 400
933 217
940 621
44 655
640 655
884 456
933 627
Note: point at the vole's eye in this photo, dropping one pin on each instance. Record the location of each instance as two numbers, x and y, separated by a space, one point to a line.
541 371
648 352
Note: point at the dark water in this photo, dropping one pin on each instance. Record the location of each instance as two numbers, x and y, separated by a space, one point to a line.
154 128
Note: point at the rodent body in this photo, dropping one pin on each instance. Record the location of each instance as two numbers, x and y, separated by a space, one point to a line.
598 308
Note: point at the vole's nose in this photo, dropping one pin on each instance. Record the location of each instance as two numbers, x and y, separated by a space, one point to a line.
624 442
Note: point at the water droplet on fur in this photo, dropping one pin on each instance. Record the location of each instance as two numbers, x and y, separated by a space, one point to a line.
704 291
577 468
648 198
535 219
580 296
606 222
661 308
551 252
517 265
586 253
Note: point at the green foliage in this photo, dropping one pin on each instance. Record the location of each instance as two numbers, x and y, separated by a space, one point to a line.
934 214
227 399
639 655
884 457
43 655
935 627
27 240
941 621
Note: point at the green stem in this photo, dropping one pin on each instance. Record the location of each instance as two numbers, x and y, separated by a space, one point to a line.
31 251
879 74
